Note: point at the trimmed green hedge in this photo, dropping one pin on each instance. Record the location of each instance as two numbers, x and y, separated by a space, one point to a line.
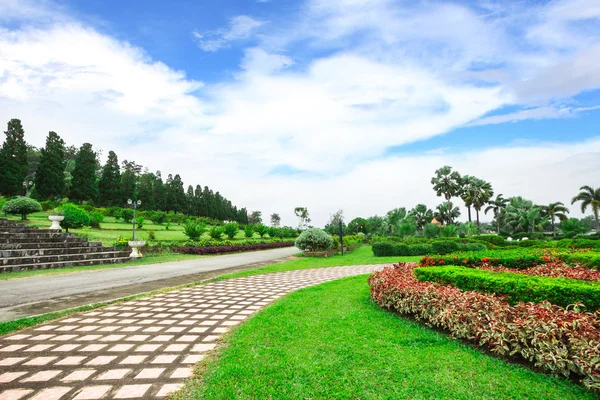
518 288
513 258
589 260
390 249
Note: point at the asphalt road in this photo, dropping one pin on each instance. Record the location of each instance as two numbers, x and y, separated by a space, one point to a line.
40 288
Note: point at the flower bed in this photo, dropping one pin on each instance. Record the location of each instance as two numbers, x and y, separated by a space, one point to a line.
517 287
520 258
553 268
558 340
201 250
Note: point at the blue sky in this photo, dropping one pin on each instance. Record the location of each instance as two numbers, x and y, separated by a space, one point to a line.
318 103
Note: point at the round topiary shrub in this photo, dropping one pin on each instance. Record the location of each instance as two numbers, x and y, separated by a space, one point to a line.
75 217
22 206
314 239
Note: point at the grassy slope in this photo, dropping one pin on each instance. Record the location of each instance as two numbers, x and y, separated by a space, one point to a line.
112 230
361 256
331 341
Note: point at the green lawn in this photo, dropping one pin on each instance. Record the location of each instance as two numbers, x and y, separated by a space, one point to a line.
147 259
361 256
112 230
332 342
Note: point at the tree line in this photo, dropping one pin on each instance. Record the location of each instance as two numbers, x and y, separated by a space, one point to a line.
57 171
511 215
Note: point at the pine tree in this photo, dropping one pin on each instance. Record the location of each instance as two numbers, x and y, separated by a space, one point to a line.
197 207
189 201
179 194
50 177
170 198
109 186
129 180
146 190
158 193
84 185
13 160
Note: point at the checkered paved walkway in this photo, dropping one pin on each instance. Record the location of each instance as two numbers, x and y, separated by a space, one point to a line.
140 349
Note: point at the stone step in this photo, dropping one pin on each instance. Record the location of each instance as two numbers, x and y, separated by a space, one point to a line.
47 245
48 259
53 251
37 235
63 264
56 239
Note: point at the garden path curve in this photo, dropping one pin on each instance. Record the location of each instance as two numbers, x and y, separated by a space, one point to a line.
140 349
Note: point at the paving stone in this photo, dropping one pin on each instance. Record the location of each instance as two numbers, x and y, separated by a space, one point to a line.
142 348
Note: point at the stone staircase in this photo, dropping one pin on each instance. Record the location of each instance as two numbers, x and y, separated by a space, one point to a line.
26 248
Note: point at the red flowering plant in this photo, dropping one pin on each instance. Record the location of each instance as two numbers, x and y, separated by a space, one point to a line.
560 340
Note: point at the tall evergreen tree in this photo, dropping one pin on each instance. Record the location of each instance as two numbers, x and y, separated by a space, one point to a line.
198 201
109 186
178 194
50 178
13 159
84 185
146 190
189 200
170 198
159 193
129 180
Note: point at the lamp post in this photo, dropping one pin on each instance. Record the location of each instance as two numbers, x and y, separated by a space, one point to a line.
27 185
135 204
135 244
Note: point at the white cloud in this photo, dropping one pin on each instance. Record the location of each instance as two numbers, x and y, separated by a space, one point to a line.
240 27
387 74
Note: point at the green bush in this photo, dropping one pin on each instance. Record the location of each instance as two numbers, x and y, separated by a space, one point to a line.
49 205
113 212
443 247
383 249
194 230
248 231
431 231
420 249
262 230
140 222
216 232
75 217
127 215
22 206
96 219
151 235
471 247
387 249
496 240
314 239
158 217
231 229
518 287
589 259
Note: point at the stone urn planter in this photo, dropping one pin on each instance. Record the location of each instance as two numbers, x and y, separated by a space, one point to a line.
56 220
135 248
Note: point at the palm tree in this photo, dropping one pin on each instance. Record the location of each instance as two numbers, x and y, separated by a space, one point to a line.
422 215
589 197
482 192
553 211
522 215
446 213
466 192
497 206
446 182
